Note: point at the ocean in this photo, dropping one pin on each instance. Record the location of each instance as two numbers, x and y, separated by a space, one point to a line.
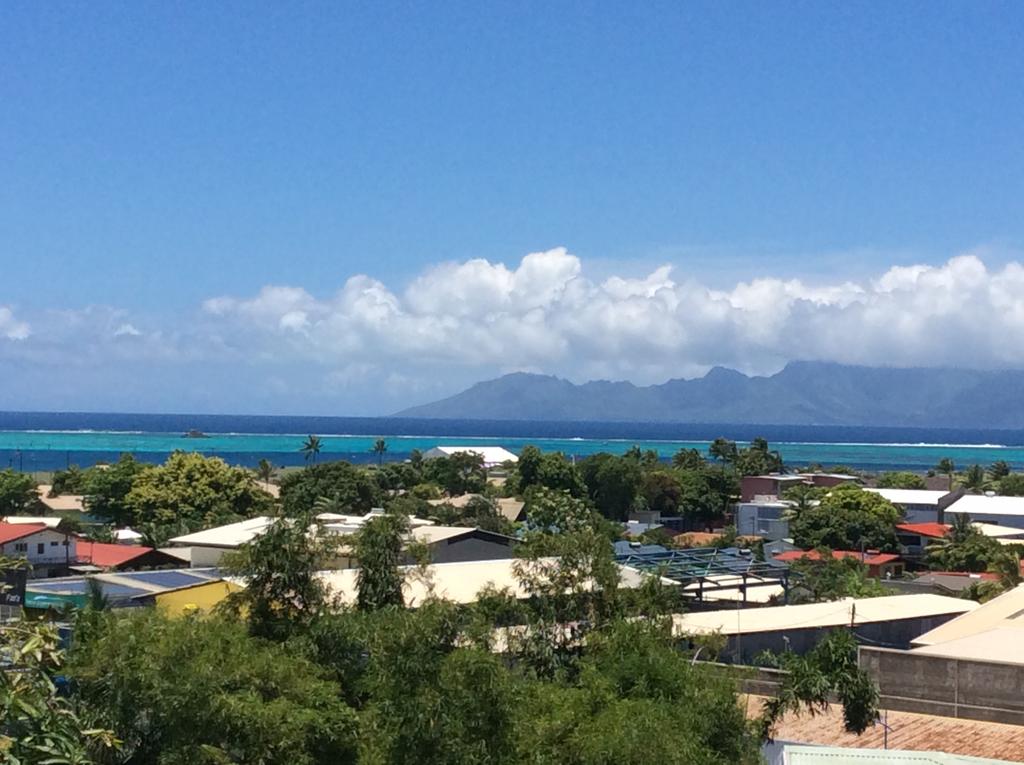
40 441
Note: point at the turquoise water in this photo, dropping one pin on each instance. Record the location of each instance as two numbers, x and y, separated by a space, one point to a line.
35 450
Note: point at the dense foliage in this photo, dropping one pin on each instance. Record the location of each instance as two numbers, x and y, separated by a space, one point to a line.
824 577
902 479
17 493
847 518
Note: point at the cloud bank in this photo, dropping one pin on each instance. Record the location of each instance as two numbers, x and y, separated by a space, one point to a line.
458 322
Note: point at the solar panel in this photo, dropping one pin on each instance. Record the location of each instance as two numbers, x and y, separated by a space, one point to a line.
169 579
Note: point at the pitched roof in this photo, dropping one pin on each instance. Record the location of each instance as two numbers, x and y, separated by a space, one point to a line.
868 558
814 615
930 530
982 504
9 532
911 496
107 555
1005 611
492 455
902 730
62 503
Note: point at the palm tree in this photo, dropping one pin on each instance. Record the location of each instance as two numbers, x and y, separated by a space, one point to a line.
380 446
329 505
1006 566
947 468
973 479
68 526
998 469
311 448
723 449
265 471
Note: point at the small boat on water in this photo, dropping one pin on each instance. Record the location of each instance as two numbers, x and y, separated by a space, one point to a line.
195 434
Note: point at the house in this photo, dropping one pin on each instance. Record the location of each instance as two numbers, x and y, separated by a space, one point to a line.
774 485
914 538
444 543
985 508
767 518
893 620
994 631
99 556
880 565
176 592
920 505
460 582
48 550
492 455
62 503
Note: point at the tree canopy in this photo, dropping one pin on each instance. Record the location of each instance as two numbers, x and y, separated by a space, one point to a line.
847 518
17 493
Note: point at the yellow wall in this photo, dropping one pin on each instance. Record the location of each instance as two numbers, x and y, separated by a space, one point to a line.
202 598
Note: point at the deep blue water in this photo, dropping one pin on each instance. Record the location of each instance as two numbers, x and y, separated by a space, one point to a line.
44 441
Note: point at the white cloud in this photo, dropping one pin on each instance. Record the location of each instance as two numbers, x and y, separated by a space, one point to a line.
10 327
460 322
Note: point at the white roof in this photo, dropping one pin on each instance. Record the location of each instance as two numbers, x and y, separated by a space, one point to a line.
998 531
911 496
979 504
46 520
813 615
798 754
459 582
1004 612
492 455
231 535
127 535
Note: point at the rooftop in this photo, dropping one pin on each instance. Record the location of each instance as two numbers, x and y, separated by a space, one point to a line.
10 532
867 558
1003 612
911 496
62 503
929 530
108 555
708 568
981 504
906 731
492 455
815 615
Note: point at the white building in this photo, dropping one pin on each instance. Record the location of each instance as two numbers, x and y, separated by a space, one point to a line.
763 518
920 505
44 547
982 508
492 455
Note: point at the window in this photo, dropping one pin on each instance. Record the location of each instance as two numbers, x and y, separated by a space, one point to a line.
21 547
54 544
41 548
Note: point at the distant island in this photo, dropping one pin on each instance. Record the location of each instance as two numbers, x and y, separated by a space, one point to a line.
803 393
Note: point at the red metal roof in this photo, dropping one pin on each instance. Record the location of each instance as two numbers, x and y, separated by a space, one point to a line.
932 530
107 555
11 531
869 558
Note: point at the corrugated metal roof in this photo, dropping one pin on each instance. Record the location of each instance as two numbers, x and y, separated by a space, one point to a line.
911 496
813 615
981 504
1006 611
832 755
10 532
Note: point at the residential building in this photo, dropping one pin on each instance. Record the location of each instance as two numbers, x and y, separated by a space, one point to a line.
920 505
774 485
766 518
493 456
100 556
985 508
48 550
880 565
890 621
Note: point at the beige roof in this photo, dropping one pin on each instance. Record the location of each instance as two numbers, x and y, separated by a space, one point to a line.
902 730
509 507
813 615
270 488
62 503
999 531
1004 612
1002 644
47 520
458 582
432 534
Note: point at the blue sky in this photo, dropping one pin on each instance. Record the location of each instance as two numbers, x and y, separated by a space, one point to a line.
160 156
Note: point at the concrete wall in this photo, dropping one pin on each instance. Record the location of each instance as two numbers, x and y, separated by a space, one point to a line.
742 649
939 685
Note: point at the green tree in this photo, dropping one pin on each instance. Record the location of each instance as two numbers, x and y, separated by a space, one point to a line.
946 467
37 725
964 548
974 479
17 493
265 471
758 459
998 470
662 490
181 691
283 592
804 497
311 448
723 450
829 669
613 483
378 547
847 518
554 511
70 481
689 459
354 489
902 479
459 473
1012 485
197 491
106 490
823 577
380 448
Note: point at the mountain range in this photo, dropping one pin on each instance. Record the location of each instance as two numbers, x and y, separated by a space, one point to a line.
803 393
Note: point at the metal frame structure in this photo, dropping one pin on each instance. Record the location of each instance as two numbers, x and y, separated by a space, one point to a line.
712 569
